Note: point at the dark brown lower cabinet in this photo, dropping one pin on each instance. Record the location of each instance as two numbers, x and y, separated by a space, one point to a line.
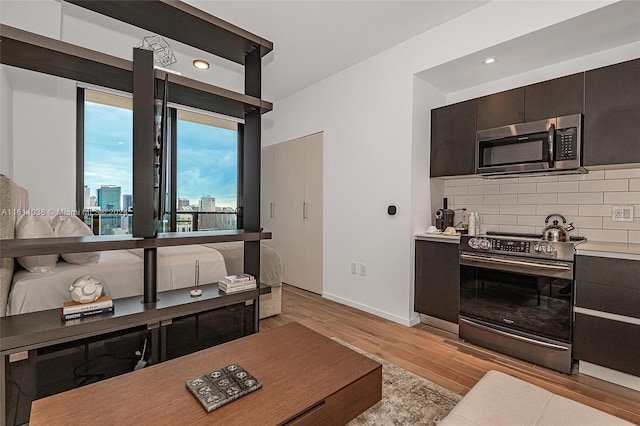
607 303
437 280
608 343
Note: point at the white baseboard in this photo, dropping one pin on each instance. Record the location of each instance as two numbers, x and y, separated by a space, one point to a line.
409 322
613 376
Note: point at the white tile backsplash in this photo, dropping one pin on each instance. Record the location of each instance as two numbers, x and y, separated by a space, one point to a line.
518 188
604 185
522 204
557 187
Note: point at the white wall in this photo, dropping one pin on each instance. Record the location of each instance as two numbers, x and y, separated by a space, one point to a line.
44 130
370 116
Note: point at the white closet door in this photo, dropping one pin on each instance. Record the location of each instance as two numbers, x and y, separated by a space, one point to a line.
288 209
313 213
266 191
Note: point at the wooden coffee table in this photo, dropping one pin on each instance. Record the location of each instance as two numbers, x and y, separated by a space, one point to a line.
306 379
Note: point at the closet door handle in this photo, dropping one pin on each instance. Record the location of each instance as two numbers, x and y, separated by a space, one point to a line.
304 210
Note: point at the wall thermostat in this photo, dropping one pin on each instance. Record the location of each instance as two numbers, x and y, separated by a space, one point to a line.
392 210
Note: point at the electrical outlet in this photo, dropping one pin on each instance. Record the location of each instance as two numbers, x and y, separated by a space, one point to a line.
354 268
363 269
622 213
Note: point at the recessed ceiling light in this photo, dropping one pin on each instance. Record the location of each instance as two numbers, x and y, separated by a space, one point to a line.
200 64
489 61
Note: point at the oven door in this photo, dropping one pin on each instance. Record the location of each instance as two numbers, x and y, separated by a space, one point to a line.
523 294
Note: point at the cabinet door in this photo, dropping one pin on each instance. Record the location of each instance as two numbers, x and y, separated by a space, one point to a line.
266 191
453 139
437 280
288 209
554 98
612 114
313 213
500 109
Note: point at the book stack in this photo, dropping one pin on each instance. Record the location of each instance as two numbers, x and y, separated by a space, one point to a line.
73 310
238 282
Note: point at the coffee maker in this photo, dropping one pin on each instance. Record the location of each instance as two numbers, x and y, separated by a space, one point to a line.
444 216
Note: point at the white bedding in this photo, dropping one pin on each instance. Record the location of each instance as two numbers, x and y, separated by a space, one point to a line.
122 273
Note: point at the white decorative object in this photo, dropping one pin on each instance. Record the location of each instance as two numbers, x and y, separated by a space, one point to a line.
86 289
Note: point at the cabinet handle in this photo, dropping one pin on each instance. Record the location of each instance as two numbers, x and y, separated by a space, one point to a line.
271 210
304 210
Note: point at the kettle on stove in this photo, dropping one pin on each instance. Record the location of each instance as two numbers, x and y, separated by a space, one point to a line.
556 232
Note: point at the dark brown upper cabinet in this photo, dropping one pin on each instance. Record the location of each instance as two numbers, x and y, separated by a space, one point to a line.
612 114
547 99
453 136
554 98
500 109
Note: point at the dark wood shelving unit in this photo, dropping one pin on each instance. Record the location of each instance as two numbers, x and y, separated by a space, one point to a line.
45 328
41 246
170 18
24 337
34 52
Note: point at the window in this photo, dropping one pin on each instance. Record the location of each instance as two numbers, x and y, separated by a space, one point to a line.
207 172
108 163
204 162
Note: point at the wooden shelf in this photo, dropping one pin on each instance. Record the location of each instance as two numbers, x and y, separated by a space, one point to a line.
34 52
41 246
44 328
171 18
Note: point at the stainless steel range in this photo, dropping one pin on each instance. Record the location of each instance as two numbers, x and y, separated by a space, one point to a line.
516 296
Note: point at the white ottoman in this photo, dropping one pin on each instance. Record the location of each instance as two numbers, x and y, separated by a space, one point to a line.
499 399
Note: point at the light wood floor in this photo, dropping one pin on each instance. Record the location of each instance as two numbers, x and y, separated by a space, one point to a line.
440 356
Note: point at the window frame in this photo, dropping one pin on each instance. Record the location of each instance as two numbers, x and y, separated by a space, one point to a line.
172 172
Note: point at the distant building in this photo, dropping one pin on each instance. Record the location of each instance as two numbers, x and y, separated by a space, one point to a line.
207 221
183 203
87 196
93 201
127 202
109 197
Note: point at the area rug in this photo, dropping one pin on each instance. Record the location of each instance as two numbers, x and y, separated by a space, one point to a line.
407 399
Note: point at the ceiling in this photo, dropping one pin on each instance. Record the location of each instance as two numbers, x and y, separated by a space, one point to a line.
611 26
316 39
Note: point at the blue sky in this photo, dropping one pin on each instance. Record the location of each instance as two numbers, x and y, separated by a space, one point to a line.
207 156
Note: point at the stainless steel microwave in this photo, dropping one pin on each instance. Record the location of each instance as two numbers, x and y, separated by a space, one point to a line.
539 147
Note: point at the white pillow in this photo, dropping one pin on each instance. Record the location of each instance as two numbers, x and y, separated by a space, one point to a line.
36 227
72 226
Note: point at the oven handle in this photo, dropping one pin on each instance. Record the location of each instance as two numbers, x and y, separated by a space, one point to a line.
494 260
515 336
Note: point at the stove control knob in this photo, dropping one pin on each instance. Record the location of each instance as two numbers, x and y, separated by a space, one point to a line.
537 248
549 249
473 243
485 244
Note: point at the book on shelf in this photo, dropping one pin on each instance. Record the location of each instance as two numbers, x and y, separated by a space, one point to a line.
75 307
249 285
84 314
237 278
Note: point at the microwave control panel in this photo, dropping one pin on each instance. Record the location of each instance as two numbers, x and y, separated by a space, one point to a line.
566 144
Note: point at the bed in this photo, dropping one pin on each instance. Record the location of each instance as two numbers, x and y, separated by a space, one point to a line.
121 271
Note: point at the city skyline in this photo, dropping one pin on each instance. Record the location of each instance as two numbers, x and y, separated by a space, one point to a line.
207 156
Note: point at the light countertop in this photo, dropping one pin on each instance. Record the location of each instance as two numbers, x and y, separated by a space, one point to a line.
443 238
606 249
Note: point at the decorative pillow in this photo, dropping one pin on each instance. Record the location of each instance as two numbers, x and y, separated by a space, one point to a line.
72 226
36 227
